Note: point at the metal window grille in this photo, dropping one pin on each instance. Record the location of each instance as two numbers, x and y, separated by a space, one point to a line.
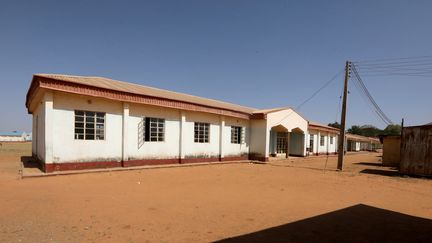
331 140
236 135
89 125
154 129
202 131
321 140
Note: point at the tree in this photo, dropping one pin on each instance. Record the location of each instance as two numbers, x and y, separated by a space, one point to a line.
365 130
393 130
335 125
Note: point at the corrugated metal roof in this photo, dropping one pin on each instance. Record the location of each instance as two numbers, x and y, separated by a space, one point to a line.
312 123
266 111
121 86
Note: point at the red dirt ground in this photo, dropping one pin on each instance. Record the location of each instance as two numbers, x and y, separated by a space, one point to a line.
207 203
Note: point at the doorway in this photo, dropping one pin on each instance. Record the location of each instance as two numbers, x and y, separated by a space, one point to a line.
281 143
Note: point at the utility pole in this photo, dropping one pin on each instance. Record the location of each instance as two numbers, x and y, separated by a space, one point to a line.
341 144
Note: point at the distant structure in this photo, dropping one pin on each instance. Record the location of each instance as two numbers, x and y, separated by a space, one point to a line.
416 150
15 136
94 122
391 150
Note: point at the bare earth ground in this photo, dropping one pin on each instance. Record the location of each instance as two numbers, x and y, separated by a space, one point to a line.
208 203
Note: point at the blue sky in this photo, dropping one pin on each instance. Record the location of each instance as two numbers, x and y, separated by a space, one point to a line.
254 53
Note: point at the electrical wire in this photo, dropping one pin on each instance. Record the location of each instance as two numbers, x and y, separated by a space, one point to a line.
363 90
313 95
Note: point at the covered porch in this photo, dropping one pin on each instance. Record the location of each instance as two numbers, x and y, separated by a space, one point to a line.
284 143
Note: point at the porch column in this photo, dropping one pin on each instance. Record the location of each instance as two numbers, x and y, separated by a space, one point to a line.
328 143
318 143
221 138
125 154
48 109
288 145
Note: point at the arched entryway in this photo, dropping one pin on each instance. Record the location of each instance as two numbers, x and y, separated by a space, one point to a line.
284 142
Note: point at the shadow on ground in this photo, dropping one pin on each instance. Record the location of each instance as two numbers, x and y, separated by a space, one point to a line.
391 173
369 163
359 223
28 162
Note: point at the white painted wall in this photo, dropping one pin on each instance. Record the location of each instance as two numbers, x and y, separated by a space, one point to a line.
167 149
259 138
290 120
232 149
39 144
327 147
12 139
201 150
66 148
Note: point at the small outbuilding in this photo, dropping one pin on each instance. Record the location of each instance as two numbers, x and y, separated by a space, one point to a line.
391 150
416 150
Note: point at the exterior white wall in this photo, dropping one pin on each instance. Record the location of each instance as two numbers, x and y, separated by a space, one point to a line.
39 141
167 149
327 147
179 132
201 150
68 149
12 139
65 148
259 138
290 120
232 149
287 118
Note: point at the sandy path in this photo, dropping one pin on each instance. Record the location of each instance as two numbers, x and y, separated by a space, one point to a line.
203 203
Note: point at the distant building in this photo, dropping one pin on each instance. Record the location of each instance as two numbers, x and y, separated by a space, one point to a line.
15 136
322 139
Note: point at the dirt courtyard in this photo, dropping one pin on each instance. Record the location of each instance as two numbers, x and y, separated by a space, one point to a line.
288 201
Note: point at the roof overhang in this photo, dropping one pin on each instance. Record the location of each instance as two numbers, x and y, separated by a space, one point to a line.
39 84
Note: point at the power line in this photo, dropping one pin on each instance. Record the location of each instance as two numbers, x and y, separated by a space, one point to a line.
400 59
366 92
313 95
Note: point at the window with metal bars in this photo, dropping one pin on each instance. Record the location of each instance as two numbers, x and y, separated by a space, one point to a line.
331 140
321 140
89 125
202 132
154 129
237 135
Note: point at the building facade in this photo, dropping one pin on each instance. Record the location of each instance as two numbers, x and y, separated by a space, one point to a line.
15 136
92 122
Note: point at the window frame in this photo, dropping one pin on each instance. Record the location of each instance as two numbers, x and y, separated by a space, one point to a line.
331 140
148 123
322 140
98 126
236 134
203 132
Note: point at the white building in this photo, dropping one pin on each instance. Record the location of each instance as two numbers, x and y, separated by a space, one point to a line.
93 122
15 136
322 139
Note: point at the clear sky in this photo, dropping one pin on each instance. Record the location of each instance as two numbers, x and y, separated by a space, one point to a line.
254 53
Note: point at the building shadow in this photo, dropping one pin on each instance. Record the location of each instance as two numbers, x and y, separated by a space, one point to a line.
391 173
359 223
29 162
369 163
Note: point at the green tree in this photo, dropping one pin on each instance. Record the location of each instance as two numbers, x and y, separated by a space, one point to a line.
335 125
392 130
365 130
